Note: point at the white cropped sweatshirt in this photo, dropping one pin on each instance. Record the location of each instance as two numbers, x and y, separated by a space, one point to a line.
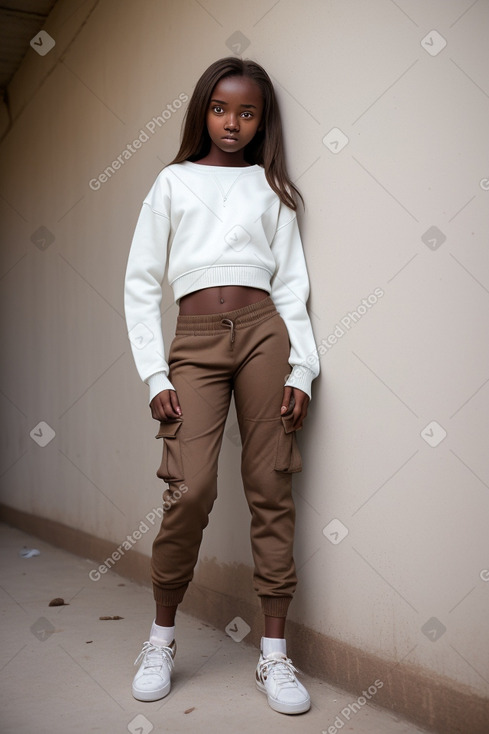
215 226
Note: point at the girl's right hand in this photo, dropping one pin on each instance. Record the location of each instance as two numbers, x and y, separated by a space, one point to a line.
165 406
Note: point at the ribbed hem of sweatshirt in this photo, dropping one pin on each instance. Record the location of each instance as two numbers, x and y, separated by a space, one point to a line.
301 377
220 275
158 382
275 606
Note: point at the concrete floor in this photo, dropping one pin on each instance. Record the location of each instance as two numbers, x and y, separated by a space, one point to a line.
65 670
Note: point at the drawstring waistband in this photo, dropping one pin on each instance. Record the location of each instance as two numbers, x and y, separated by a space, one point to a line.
228 322
214 323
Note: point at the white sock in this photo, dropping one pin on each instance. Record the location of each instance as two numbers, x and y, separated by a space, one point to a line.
161 636
273 644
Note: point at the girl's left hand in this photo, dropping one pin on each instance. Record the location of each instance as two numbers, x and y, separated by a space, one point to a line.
297 402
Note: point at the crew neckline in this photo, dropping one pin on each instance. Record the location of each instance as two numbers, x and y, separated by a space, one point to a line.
209 169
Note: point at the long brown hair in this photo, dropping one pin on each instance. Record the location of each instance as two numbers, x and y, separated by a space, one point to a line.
266 148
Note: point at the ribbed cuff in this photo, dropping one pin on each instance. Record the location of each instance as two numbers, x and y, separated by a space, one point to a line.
169 597
158 382
275 606
301 377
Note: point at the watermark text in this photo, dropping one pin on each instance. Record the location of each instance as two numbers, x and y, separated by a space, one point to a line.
131 148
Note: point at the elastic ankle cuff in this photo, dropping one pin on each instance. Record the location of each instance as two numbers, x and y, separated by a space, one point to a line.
275 606
169 597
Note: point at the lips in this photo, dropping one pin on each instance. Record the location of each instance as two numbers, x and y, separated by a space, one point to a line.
229 137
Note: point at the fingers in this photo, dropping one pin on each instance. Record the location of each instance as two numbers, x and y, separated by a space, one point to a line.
286 400
165 406
300 408
295 401
174 402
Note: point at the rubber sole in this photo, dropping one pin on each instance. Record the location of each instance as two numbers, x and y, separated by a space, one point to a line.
284 708
151 695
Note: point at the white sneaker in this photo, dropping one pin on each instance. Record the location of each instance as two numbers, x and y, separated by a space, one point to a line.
153 679
275 676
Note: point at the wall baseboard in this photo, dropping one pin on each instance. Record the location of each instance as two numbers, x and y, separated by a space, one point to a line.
427 699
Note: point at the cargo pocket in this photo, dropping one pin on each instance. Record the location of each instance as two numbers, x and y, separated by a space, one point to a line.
171 467
288 457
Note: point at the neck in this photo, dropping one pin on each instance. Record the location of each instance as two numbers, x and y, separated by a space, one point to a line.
217 157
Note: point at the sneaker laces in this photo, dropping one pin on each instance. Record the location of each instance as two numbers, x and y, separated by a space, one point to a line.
281 669
155 657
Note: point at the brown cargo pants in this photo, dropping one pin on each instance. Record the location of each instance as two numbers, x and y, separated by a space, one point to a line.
245 351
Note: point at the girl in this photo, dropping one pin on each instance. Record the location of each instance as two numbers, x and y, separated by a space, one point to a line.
224 209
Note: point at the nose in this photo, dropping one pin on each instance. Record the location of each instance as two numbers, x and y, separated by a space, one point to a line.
231 123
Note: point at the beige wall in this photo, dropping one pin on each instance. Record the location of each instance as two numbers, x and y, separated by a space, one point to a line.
417 126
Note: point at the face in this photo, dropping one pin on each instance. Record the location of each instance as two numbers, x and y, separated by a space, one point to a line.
234 114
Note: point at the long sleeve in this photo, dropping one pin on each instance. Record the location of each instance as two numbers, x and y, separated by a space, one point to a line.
186 221
143 291
290 291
